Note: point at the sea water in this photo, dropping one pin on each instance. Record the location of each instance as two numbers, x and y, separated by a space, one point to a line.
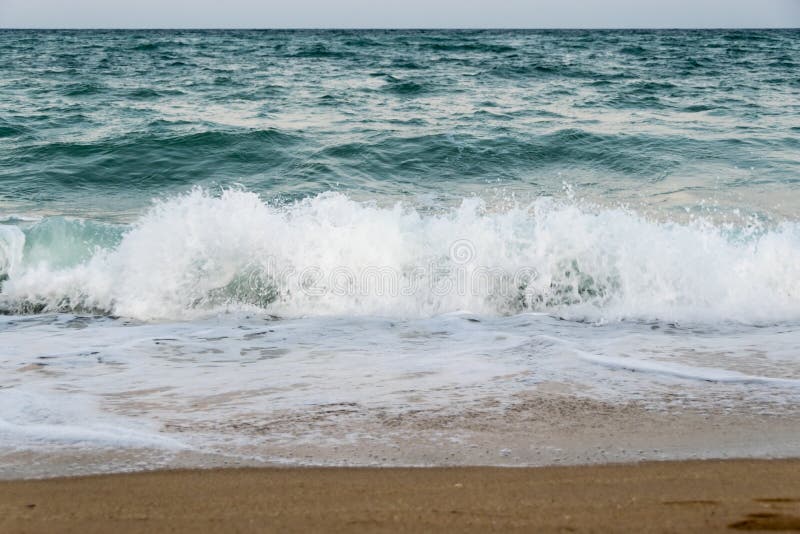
206 234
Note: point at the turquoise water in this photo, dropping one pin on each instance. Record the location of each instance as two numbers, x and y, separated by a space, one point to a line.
482 210
101 122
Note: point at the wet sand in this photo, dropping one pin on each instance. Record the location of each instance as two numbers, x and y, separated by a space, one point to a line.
539 429
695 496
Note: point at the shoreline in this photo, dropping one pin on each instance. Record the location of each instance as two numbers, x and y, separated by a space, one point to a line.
538 430
712 495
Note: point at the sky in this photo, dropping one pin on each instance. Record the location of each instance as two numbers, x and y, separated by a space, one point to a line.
399 13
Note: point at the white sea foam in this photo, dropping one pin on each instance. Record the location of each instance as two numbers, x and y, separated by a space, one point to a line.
198 253
235 384
691 372
31 418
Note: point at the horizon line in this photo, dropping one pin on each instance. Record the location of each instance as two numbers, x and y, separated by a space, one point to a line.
409 28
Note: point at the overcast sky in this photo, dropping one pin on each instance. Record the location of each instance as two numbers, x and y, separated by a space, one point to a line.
397 13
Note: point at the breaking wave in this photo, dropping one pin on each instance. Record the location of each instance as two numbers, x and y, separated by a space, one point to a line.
200 253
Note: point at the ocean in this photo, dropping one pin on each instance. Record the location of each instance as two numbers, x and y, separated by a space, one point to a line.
397 247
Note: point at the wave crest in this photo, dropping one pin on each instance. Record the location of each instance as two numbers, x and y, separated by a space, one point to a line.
200 253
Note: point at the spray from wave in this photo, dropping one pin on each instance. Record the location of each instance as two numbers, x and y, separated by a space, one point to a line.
199 254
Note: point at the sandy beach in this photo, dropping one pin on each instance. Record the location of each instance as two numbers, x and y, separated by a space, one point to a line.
710 496
440 274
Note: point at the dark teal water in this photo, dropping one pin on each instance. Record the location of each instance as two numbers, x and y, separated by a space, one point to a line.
104 121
